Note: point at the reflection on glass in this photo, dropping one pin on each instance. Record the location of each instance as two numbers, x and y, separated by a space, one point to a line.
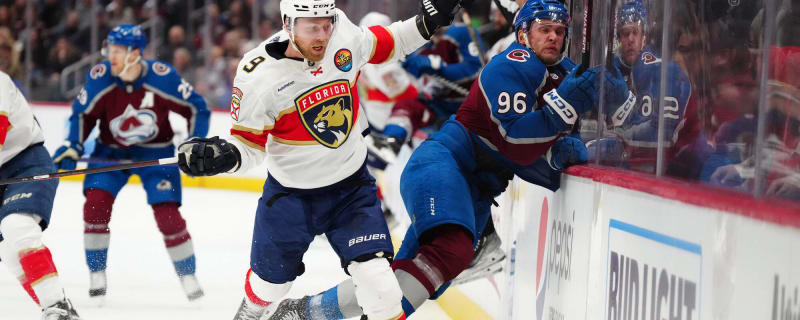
631 118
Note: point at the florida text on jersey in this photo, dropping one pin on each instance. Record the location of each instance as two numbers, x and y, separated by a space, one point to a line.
304 117
136 113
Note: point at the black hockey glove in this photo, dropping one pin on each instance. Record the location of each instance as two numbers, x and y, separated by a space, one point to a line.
434 14
207 157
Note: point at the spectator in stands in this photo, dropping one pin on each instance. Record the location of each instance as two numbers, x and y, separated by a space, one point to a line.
182 62
176 38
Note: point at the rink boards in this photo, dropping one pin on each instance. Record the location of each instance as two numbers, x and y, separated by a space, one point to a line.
615 245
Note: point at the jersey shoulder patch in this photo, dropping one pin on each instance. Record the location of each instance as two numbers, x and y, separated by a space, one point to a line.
161 68
98 71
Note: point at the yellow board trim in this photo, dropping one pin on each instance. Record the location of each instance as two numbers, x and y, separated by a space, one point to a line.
215 182
458 306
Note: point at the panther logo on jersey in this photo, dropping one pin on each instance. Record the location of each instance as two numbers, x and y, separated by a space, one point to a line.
327 112
134 126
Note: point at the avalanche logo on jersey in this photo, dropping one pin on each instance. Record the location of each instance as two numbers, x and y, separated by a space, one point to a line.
649 58
134 126
343 59
327 112
160 68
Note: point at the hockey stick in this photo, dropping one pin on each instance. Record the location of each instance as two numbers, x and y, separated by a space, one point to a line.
56 175
468 21
587 38
449 84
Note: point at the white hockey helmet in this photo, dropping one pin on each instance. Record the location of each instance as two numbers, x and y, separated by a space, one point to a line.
375 19
293 9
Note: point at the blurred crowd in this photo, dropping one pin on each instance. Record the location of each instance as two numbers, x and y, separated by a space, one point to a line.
62 29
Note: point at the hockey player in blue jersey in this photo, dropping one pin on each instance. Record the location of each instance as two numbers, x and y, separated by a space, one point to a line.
451 55
517 120
633 117
130 99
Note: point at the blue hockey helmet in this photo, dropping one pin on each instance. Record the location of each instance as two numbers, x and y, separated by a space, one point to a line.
540 9
632 12
128 35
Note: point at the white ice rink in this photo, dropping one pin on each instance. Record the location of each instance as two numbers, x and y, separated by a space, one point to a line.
141 280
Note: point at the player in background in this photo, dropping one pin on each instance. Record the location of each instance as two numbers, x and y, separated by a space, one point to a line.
632 118
452 56
130 99
26 207
517 120
294 103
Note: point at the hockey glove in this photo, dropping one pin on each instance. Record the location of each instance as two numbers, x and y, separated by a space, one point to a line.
416 65
565 152
619 100
207 157
434 14
66 155
575 95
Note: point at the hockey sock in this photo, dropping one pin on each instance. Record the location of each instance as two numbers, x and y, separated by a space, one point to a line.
262 293
28 259
96 234
176 237
41 276
444 252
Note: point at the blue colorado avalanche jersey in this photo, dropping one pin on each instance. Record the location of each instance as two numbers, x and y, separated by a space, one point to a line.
460 60
136 113
637 122
504 110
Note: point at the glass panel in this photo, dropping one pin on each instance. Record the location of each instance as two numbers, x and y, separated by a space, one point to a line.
727 93
629 90
779 131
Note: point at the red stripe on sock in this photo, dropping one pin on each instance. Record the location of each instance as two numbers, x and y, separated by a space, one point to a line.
248 290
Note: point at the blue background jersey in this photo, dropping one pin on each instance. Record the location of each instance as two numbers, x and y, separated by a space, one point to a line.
638 124
504 111
136 113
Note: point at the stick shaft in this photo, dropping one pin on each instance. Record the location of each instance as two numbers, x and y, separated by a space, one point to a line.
56 175
587 37
468 21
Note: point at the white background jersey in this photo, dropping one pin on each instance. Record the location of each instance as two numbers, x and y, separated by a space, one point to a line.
305 117
18 128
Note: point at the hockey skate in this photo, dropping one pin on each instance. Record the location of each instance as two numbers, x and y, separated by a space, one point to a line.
291 309
383 148
62 310
249 311
97 286
487 260
191 287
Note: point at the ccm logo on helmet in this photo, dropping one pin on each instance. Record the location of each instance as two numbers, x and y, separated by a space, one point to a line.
369 237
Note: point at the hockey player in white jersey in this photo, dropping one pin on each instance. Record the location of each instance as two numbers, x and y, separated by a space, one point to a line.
26 207
294 103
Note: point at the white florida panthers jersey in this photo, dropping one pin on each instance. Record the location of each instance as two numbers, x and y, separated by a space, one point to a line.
304 116
18 127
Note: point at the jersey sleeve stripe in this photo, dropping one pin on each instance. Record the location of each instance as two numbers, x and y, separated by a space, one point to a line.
295 142
382 45
255 141
253 131
5 125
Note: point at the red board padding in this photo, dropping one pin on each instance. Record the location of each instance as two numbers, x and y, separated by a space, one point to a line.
778 211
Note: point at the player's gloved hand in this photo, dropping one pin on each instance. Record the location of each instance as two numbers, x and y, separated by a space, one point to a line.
434 14
609 151
575 95
565 152
207 156
416 65
66 155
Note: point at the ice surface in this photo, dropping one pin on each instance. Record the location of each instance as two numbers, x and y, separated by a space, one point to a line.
141 281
